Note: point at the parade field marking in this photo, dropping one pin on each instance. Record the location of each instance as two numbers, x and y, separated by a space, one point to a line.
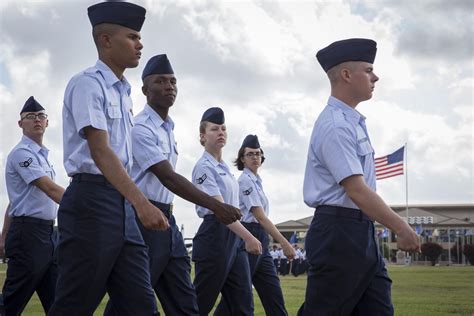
416 291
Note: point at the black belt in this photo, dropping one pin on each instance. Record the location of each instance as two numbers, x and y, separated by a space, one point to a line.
167 209
89 177
33 220
340 211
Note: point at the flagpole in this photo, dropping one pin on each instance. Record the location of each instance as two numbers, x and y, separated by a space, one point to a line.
406 179
406 192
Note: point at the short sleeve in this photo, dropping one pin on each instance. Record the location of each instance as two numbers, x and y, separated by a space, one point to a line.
87 104
339 153
146 152
248 193
204 179
27 165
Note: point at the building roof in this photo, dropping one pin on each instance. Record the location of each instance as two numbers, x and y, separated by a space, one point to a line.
424 214
295 224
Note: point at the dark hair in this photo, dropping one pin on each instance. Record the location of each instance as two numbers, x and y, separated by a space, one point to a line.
101 28
238 162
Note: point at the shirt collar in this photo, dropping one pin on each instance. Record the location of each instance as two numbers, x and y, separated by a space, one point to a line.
109 76
351 114
211 158
33 145
252 176
216 163
156 118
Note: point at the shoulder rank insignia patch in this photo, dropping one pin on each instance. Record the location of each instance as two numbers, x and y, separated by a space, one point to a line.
26 163
248 191
201 179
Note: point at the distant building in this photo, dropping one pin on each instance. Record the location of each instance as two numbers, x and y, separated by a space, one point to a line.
450 225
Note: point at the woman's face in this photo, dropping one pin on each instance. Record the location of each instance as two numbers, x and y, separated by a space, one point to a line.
252 158
214 136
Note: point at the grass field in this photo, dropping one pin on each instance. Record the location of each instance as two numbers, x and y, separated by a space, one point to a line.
416 291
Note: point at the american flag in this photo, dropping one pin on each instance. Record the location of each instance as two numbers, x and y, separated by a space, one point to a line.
390 165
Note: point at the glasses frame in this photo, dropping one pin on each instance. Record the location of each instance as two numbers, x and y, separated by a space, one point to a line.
254 154
32 117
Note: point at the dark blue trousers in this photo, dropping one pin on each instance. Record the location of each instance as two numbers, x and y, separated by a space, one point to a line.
276 263
2 308
295 267
100 250
284 268
303 267
346 275
170 269
29 247
264 277
221 266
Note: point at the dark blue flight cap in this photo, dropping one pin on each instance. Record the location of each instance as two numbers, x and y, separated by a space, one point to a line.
116 12
251 141
214 115
31 105
158 65
353 49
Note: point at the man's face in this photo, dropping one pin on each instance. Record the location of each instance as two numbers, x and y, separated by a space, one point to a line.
126 46
160 90
33 123
363 80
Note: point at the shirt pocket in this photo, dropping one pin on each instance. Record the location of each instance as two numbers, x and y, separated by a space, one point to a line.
164 147
128 108
366 155
114 113
50 172
175 148
47 167
364 149
130 118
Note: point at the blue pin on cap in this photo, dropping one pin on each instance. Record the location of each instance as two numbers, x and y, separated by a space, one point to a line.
353 49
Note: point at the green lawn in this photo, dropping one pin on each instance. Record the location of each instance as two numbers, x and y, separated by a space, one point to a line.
416 291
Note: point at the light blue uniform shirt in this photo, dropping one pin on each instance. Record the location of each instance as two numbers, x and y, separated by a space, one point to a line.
339 147
275 254
27 162
251 195
299 254
282 254
214 178
97 98
153 141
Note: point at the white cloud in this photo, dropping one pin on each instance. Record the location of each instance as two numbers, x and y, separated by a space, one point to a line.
438 153
256 59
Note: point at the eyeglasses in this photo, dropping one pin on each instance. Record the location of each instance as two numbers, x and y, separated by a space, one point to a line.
253 154
32 116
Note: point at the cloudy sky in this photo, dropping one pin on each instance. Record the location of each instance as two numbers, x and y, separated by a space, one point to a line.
255 59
